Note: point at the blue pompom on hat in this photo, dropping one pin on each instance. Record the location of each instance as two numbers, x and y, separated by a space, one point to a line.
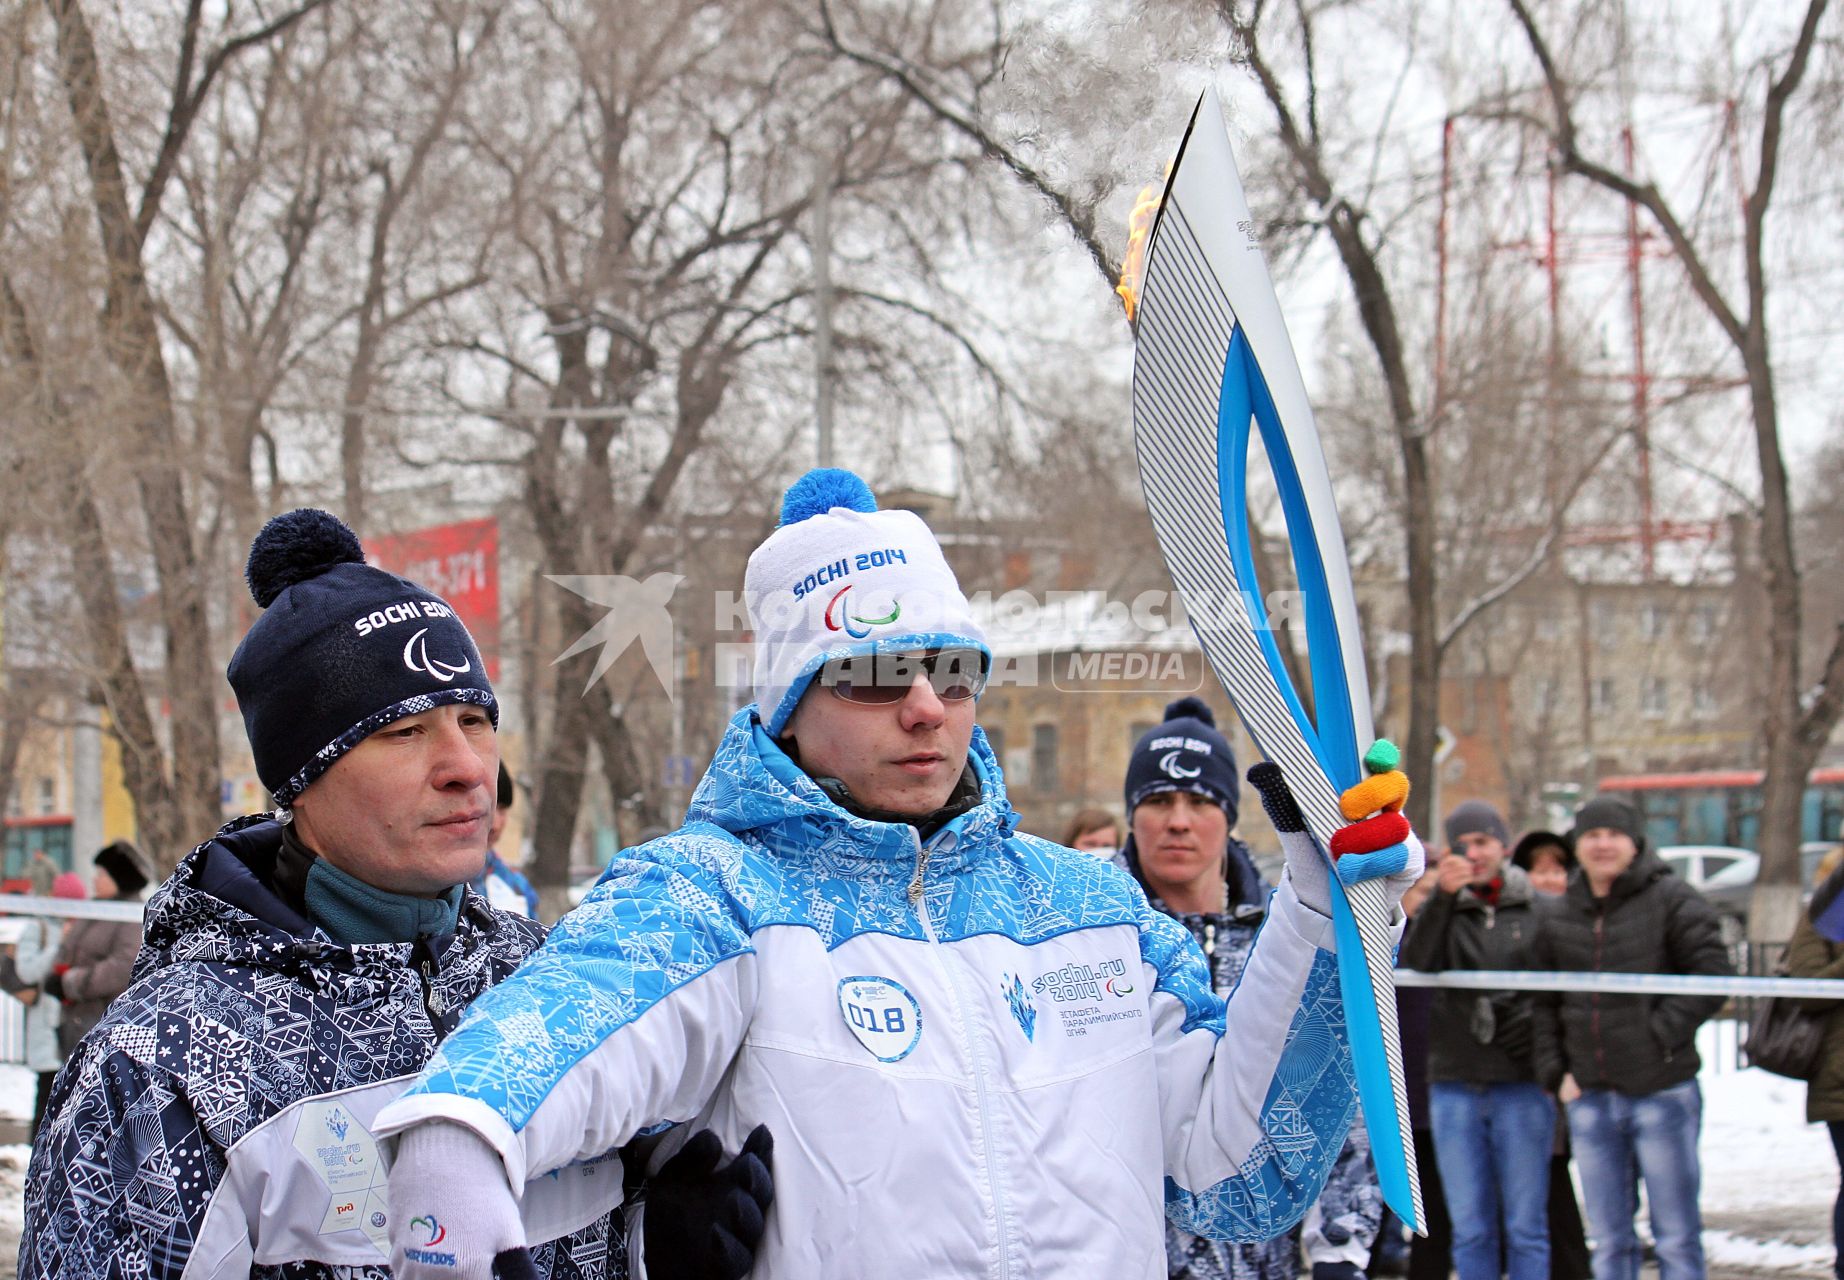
823 489
1186 753
839 578
341 650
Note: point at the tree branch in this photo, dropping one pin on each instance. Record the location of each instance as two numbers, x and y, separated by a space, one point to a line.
1079 220
1647 196
188 100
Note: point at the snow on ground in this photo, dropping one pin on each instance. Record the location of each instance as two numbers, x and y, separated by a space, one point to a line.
1769 1178
18 1089
1758 1151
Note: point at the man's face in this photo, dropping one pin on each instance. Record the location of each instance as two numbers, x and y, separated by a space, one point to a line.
903 757
1181 838
409 809
1485 852
1604 853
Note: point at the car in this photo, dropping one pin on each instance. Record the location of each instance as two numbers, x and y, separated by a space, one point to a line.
1723 875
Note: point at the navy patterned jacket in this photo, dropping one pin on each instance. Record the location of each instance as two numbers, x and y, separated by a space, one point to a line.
1343 1224
215 1122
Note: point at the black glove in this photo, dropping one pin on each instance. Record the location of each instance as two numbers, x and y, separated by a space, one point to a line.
515 1264
52 985
702 1222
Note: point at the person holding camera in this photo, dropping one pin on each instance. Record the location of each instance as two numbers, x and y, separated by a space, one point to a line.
1492 1121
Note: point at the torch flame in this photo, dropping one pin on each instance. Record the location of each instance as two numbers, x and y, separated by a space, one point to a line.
1139 226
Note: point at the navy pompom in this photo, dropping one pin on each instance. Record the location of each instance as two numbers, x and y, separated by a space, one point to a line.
295 546
1194 707
822 489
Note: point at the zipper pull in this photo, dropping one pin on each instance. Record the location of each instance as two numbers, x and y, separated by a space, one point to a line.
432 999
915 883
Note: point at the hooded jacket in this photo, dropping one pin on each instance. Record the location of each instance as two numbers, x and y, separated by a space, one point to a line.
990 1055
1477 1037
1650 922
217 1121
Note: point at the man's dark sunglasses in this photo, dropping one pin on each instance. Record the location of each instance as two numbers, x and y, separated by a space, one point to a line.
880 679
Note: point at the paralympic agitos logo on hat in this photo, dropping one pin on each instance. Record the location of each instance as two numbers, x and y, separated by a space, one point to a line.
416 655
839 616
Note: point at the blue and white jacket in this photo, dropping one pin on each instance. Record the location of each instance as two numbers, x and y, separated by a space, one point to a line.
982 1055
218 1120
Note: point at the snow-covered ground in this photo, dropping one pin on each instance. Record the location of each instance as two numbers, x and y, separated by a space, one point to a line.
1769 1178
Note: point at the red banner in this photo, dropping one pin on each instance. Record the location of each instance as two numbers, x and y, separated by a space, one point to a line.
460 563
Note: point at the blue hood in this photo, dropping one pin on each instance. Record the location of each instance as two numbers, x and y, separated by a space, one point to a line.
755 791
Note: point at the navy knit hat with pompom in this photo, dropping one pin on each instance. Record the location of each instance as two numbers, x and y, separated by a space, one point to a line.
341 650
1186 753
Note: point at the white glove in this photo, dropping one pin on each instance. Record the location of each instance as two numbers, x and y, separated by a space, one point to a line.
452 1212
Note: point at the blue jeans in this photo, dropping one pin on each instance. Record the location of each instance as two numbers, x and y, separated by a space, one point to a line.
1492 1142
1619 1139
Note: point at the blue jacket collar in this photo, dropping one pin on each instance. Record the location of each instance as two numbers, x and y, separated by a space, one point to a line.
753 789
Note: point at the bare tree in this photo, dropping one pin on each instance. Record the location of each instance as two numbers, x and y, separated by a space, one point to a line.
1799 712
176 791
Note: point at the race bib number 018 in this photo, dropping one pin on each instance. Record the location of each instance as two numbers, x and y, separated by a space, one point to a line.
883 1016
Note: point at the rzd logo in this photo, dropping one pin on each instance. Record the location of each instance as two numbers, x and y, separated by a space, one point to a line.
416 658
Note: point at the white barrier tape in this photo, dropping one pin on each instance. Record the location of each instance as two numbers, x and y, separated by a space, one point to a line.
1677 984
24 904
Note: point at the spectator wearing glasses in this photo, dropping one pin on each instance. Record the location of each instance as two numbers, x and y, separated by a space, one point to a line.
983 1053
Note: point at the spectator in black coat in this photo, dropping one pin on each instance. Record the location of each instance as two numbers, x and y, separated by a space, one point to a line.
1626 1065
1493 1124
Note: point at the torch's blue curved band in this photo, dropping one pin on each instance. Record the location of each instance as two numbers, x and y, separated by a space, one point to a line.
1246 403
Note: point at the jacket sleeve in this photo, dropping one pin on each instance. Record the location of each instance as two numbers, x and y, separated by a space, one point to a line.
1811 955
627 1016
38 950
121 1175
1546 1057
1424 947
106 977
1255 1096
1693 944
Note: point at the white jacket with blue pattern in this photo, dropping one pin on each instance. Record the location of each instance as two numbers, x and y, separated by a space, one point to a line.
983 1055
